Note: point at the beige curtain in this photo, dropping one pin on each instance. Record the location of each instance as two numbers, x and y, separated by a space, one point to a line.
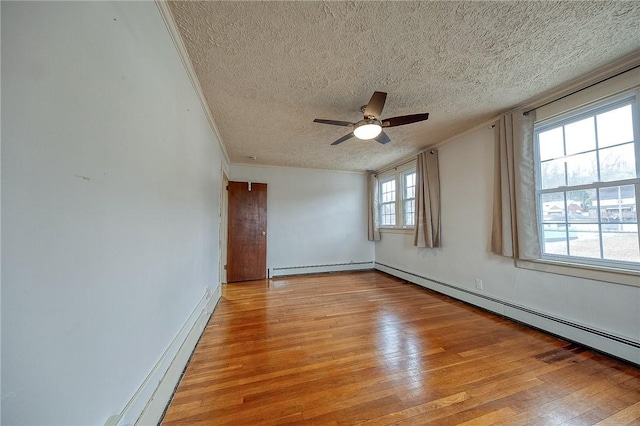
427 231
372 200
515 226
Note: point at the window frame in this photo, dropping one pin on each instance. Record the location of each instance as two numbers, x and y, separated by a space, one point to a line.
398 174
604 269
382 203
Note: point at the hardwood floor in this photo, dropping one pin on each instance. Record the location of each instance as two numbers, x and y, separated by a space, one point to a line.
367 348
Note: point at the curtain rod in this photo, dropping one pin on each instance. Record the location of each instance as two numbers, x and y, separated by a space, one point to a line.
395 166
584 88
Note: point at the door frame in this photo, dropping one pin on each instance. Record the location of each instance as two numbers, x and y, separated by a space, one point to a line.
223 230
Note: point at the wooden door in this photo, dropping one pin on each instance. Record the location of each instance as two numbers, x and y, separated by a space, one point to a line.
247 232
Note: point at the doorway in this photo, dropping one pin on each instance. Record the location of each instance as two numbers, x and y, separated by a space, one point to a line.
247 231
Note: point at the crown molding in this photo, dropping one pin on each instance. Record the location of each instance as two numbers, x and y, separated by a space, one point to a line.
174 33
305 169
624 64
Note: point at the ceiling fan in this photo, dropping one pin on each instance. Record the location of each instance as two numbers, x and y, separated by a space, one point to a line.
370 127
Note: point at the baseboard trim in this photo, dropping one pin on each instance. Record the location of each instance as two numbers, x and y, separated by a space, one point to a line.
617 346
147 405
319 269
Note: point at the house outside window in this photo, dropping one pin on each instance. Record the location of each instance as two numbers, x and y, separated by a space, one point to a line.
588 184
396 195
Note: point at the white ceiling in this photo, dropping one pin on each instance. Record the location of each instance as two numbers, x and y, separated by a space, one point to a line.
267 69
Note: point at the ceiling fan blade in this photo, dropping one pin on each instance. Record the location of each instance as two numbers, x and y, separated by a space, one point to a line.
375 105
404 119
383 138
342 139
334 122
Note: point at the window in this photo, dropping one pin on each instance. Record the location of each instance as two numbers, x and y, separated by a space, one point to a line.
397 193
588 184
388 202
409 198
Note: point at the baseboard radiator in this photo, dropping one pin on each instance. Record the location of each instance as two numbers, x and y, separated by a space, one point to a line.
319 269
617 346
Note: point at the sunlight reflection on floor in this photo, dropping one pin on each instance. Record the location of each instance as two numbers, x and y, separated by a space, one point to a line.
400 350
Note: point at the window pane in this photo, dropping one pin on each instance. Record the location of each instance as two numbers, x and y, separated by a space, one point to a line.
552 174
554 239
581 169
553 208
411 192
617 206
584 241
388 214
410 185
622 245
388 191
615 127
580 206
410 179
580 136
617 163
409 212
551 144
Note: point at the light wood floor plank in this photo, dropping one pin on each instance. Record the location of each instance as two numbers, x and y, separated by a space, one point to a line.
367 348
627 416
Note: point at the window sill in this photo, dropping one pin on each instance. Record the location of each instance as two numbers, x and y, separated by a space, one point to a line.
598 273
397 230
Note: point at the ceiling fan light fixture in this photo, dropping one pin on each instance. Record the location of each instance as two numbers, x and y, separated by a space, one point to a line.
370 127
367 129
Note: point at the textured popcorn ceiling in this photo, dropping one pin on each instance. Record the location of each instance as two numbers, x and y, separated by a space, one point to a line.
268 69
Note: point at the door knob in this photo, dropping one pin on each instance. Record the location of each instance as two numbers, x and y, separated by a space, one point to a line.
264 233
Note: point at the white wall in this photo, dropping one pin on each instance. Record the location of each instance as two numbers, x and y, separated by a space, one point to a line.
314 218
0 243
466 175
110 196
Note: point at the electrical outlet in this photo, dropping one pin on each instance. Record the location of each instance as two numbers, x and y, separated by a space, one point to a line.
478 284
